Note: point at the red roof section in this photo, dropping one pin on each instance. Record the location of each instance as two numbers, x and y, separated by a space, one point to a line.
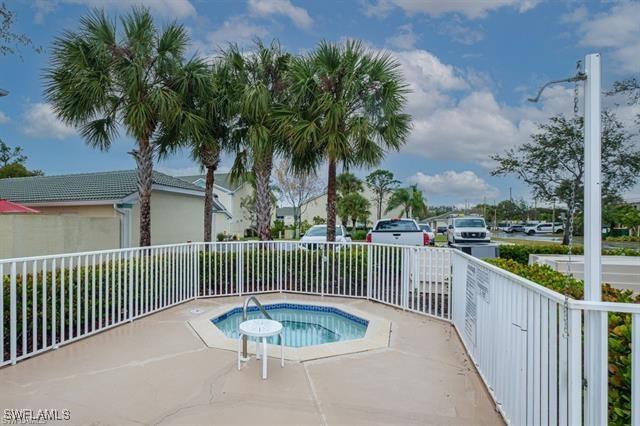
7 206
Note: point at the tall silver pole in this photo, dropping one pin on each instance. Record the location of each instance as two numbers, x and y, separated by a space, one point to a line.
595 348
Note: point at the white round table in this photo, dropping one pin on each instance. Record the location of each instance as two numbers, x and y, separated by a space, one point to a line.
261 328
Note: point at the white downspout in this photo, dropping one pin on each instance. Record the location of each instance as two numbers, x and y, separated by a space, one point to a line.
124 211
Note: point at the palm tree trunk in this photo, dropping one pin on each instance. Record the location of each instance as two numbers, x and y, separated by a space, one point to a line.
380 206
208 203
144 160
331 201
262 171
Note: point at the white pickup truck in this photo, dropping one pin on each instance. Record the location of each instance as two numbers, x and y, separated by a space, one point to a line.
398 231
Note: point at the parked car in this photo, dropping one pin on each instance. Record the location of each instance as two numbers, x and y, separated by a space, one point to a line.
442 229
432 236
398 231
468 229
544 228
503 227
318 234
515 228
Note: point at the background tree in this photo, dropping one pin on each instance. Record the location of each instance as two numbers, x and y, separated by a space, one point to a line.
101 79
12 163
353 206
297 189
10 40
215 103
630 88
418 205
348 183
347 107
381 182
411 200
401 197
552 164
260 77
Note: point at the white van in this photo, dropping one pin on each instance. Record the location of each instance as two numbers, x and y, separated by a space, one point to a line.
468 229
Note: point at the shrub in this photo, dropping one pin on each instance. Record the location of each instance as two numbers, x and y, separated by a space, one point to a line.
624 238
619 330
359 235
520 252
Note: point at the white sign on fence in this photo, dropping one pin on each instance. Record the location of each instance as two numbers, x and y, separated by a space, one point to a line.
470 312
482 281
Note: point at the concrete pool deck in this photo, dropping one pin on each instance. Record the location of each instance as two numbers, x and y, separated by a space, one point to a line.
157 370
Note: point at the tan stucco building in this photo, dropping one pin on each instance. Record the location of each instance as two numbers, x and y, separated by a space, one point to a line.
177 207
236 220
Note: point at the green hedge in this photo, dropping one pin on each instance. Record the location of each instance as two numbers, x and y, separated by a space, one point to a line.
520 252
619 330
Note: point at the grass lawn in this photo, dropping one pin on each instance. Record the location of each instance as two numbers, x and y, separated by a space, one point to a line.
525 241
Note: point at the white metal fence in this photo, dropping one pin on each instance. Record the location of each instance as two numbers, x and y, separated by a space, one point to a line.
525 340
48 301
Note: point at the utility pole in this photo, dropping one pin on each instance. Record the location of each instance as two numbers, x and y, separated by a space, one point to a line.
484 206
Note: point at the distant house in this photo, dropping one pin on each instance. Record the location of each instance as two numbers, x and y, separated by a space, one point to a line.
633 201
287 215
237 219
177 207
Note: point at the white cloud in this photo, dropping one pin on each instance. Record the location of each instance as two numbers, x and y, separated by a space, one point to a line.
452 184
236 30
299 16
3 117
405 39
40 121
618 30
461 33
457 117
471 9
168 8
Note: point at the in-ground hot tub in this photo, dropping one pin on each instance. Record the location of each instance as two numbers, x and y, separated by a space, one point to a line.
304 325
312 330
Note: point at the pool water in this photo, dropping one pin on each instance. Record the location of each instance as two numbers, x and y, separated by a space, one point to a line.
304 325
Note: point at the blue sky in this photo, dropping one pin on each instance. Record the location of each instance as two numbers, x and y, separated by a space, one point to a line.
470 65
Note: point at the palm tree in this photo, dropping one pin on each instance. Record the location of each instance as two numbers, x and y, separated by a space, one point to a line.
411 200
102 79
260 78
348 183
401 197
418 205
216 104
346 107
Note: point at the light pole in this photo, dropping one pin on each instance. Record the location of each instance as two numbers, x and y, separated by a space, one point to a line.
595 344
595 322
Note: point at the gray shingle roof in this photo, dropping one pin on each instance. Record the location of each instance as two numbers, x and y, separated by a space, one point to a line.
84 186
220 179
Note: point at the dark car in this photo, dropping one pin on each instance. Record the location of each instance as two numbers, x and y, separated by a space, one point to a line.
442 229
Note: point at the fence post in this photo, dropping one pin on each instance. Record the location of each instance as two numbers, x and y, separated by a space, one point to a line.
130 309
240 269
197 271
13 314
575 367
369 270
